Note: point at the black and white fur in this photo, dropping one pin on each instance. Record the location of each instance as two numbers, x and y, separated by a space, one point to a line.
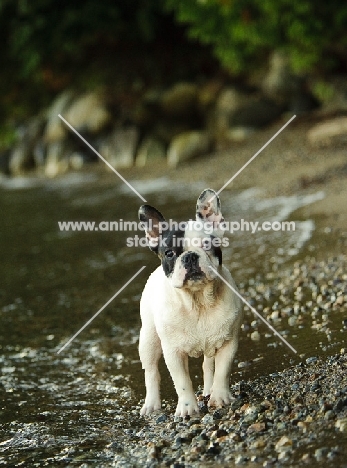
187 310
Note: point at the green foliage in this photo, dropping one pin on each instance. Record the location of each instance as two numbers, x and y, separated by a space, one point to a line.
42 32
50 44
243 32
46 42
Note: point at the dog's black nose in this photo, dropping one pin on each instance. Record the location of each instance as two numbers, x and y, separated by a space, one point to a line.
190 261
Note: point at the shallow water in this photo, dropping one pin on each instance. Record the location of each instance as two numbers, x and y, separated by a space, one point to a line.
65 408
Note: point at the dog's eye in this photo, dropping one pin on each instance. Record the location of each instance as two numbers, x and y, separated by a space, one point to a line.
170 254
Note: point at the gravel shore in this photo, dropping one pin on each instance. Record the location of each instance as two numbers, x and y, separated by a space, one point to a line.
296 417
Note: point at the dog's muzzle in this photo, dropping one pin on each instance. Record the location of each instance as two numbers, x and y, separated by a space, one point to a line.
190 261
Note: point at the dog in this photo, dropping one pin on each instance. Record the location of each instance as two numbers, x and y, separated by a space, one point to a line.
186 309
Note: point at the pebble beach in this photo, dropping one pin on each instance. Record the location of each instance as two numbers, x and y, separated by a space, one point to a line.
295 417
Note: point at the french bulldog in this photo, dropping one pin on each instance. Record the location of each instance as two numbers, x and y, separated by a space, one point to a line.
186 309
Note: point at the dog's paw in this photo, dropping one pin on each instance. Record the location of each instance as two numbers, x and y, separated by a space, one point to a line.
187 407
220 397
149 407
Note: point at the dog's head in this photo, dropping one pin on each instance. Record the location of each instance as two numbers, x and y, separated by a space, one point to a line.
187 250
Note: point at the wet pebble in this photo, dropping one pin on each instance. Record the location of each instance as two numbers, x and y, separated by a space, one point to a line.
255 336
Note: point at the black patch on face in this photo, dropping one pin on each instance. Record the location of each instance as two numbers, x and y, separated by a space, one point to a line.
170 248
218 254
216 251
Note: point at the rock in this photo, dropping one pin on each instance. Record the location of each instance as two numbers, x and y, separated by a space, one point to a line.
119 149
239 134
55 129
332 131
148 108
341 424
321 452
302 100
258 443
76 161
236 109
5 161
21 158
39 153
332 92
186 146
284 444
57 160
166 130
208 93
329 415
255 336
180 101
286 88
256 427
279 83
240 459
292 320
303 426
161 418
229 102
88 113
259 111
150 152
207 419
243 364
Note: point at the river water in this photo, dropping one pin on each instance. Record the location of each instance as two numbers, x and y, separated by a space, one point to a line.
65 408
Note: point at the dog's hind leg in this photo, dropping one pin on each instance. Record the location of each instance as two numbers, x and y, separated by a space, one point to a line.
220 394
150 352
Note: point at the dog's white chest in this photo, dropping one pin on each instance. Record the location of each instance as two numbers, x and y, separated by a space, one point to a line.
201 336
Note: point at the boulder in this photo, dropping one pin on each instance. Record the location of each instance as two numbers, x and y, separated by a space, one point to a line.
77 160
333 131
165 130
287 88
5 161
333 93
57 159
280 82
148 109
257 112
55 129
180 101
186 146
237 108
22 157
150 151
88 113
208 93
119 148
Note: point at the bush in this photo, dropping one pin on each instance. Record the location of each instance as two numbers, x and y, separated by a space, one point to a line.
243 32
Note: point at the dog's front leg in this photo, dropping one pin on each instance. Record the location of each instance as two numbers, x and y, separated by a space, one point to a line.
177 363
220 392
150 352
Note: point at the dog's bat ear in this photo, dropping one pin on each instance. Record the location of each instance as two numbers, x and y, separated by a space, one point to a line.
150 219
208 207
